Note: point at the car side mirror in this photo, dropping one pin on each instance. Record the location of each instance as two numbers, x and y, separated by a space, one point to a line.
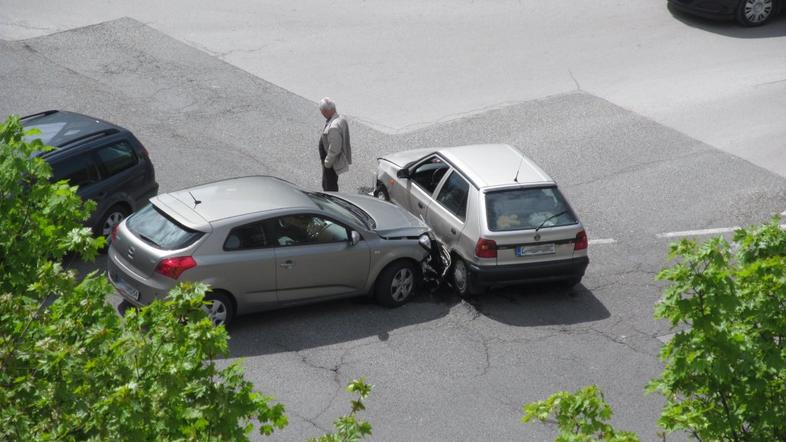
403 173
354 238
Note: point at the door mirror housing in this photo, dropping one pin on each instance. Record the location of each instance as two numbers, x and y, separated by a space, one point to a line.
354 238
403 173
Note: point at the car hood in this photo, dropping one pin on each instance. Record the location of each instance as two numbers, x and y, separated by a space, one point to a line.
401 159
392 221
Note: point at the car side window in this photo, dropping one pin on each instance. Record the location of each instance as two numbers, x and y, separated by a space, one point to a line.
250 236
296 230
78 170
117 157
428 174
453 195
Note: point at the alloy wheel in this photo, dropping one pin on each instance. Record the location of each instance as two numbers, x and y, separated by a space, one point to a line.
402 284
757 11
111 221
216 311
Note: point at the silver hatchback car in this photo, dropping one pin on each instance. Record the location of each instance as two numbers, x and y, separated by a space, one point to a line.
262 243
501 217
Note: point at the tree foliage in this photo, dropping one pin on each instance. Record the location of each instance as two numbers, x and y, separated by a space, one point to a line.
725 373
725 370
581 416
348 427
70 367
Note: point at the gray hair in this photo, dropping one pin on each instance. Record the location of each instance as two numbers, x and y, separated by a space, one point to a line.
327 104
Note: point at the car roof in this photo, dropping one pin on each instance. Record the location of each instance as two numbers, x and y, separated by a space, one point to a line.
492 165
233 197
60 128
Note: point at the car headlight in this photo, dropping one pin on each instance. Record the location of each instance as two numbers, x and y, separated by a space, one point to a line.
425 241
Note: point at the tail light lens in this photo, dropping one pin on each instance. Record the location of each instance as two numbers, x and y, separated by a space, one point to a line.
581 241
174 267
113 235
144 150
486 248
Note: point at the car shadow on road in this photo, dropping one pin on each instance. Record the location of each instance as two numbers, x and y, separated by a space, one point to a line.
540 305
358 320
775 28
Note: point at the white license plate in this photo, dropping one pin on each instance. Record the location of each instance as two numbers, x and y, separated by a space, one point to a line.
539 249
125 289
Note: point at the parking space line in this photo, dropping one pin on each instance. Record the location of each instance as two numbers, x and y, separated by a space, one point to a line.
602 241
697 232
701 232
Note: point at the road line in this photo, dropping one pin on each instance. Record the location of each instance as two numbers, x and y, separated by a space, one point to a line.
602 241
783 213
702 232
697 232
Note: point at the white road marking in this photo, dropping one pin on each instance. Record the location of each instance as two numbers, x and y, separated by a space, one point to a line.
697 232
701 232
783 213
602 241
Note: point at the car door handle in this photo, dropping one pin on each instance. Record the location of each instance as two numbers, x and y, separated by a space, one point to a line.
420 204
452 230
287 264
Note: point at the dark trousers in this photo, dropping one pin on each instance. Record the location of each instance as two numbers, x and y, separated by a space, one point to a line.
329 179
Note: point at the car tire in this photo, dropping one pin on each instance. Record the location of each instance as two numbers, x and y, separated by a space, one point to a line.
219 309
756 12
381 192
396 284
113 216
461 278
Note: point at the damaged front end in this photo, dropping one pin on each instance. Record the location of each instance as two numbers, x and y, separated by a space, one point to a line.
435 265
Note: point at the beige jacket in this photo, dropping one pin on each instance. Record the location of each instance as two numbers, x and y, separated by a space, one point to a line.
335 138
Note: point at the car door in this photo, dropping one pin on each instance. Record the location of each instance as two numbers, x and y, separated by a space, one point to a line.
122 170
423 181
448 214
80 169
315 258
248 265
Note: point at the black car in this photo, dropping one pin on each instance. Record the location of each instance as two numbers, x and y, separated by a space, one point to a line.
746 12
107 162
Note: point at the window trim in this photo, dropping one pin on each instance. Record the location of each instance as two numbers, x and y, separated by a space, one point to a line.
329 218
87 153
441 180
263 223
442 185
94 150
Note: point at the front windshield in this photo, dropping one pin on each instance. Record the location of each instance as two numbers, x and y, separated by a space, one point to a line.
342 208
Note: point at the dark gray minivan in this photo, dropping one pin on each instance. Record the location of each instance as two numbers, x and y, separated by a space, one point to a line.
107 162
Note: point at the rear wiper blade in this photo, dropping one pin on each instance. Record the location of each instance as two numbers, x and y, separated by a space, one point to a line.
550 218
148 239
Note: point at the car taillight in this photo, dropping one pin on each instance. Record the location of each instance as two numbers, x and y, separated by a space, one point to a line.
174 267
114 232
144 150
581 241
486 248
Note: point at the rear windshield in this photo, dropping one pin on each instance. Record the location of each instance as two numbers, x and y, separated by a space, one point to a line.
154 227
520 209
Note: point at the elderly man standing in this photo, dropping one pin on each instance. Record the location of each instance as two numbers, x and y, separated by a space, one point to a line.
334 149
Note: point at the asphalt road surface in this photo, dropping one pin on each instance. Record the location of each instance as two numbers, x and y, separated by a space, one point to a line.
444 369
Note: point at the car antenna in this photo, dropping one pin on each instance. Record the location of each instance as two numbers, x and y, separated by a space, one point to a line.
516 178
196 201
